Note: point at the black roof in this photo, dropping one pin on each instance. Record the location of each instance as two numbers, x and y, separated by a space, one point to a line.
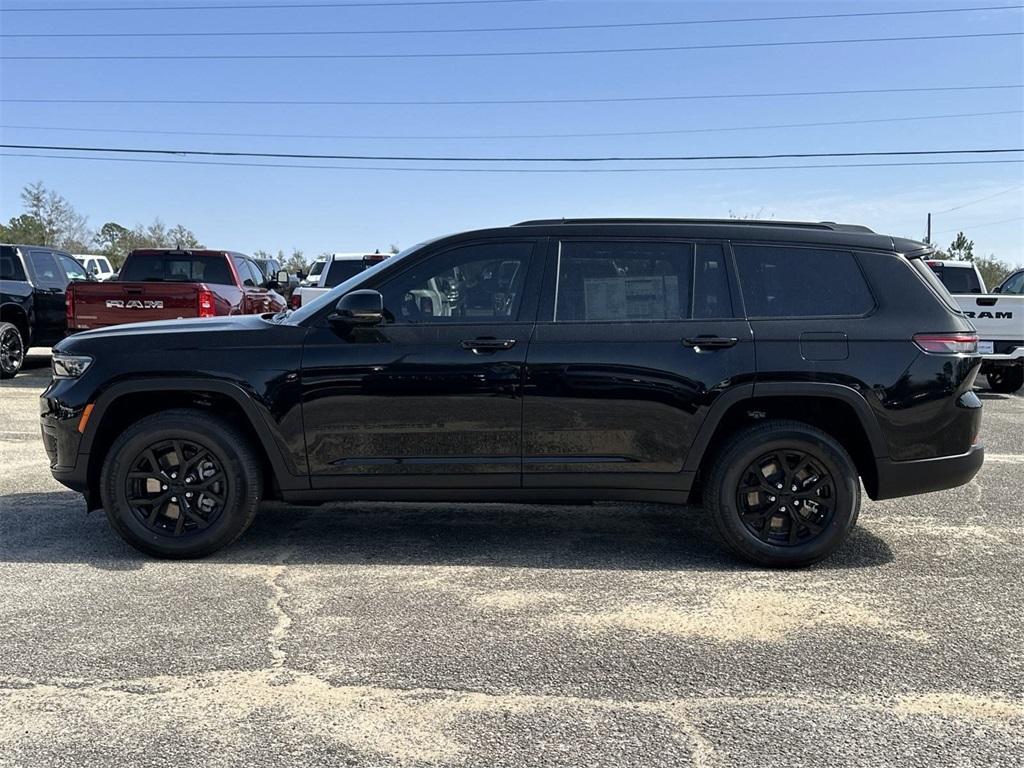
810 232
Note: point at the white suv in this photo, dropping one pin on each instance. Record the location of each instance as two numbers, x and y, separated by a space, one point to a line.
96 266
329 271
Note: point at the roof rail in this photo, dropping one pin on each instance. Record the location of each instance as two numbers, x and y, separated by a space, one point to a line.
828 225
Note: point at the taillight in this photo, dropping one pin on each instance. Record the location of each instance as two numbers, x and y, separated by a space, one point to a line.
206 308
69 303
296 300
947 343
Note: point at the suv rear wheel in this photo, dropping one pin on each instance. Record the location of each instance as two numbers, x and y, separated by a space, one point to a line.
181 484
1006 380
12 350
783 494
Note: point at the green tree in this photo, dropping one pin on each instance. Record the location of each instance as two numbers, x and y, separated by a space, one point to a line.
25 229
63 226
961 248
993 271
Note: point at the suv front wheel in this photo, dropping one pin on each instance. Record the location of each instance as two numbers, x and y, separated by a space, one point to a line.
783 494
180 484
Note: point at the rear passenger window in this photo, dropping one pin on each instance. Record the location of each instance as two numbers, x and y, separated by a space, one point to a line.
783 281
601 281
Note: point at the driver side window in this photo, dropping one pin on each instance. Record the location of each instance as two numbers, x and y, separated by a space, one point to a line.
483 281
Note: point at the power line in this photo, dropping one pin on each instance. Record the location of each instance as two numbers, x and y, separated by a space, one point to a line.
413 169
538 28
495 54
382 3
463 137
483 102
981 199
512 159
972 227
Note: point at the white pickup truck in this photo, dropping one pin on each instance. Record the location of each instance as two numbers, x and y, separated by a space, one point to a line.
331 270
997 316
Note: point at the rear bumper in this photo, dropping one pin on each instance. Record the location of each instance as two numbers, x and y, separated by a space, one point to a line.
1013 357
907 478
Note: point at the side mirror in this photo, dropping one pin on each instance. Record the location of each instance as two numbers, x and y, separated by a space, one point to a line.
282 277
362 308
997 289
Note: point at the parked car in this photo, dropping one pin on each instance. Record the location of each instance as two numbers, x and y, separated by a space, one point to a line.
1012 285
33 279
328 271
174 284
767 368
273 270
97 267
998 317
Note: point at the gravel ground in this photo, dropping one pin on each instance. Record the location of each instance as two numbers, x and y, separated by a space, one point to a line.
503 635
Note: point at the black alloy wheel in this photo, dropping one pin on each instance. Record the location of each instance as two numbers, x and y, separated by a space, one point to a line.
786 498
181 483
176 487
782 493
12 350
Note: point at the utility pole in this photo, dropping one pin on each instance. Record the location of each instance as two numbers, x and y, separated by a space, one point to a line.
928 237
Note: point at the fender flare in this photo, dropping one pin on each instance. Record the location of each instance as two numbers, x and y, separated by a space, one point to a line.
840 392
284 476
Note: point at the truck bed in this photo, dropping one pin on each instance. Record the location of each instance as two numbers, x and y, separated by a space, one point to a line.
96 305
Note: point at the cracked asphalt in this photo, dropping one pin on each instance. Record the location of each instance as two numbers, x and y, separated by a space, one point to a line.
615 634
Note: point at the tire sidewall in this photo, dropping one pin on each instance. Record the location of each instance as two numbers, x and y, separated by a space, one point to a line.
6 328
224 529
1006 381
845 479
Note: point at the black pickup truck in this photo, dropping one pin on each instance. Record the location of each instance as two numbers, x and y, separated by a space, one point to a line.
33 279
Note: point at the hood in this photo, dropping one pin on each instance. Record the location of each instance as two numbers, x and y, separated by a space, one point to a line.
186 332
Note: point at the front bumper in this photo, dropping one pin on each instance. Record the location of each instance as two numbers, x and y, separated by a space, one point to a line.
61 439
907 478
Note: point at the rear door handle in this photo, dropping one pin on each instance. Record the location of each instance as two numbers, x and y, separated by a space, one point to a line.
485 345
709 343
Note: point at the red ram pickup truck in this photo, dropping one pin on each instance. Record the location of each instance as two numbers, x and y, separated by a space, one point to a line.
172 284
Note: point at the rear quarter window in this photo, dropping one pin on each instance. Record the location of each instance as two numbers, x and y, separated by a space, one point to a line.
791 281
10 265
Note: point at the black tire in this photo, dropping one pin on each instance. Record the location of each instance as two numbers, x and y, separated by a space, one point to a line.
172 437
12 350
826 468
1006 380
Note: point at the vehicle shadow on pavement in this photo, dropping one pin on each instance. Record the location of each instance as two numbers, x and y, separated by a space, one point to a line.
995 396
53 527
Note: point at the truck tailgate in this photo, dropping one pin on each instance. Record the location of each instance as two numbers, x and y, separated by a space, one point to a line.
998 318
95 305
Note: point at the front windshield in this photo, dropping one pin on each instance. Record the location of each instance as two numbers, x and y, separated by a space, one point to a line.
331 297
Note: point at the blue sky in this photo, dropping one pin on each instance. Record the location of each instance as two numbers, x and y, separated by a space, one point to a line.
341 210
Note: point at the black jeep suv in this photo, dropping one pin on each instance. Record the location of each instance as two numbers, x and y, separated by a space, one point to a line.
768 368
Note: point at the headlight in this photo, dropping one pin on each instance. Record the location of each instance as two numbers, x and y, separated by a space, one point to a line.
70 366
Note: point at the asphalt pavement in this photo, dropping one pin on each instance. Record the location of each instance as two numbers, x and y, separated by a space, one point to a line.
613 634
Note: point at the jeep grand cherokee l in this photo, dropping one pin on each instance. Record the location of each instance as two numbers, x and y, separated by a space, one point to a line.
766 368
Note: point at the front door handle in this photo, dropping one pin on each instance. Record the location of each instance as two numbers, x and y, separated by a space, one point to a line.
485 345
710 343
